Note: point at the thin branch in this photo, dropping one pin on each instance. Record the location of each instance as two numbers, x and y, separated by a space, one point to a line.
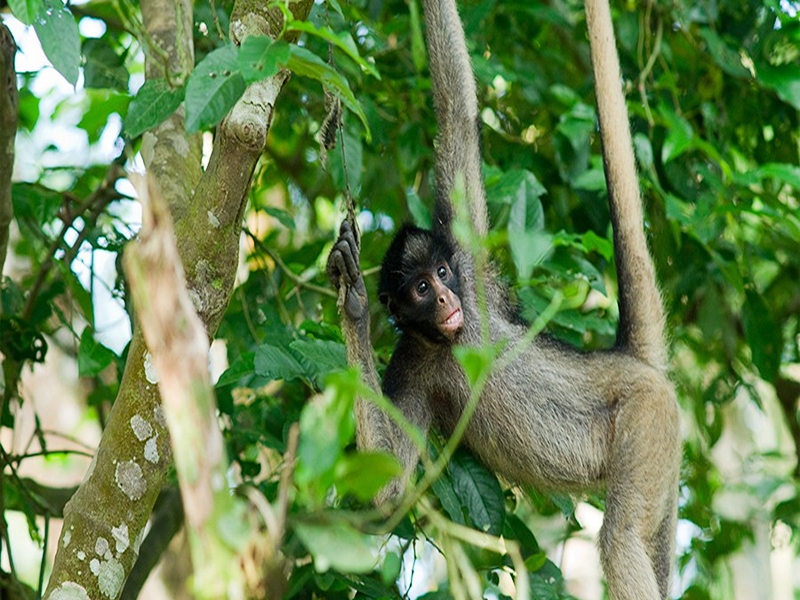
95 203
290 275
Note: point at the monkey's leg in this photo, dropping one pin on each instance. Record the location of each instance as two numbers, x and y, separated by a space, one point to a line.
636 539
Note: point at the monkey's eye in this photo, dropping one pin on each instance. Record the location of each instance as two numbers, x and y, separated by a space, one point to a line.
442 272
422 287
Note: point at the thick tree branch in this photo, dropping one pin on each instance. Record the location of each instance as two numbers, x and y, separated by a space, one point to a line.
9 104
179 345
106 517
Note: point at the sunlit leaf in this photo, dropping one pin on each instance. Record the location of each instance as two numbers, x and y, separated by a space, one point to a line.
58 33
155 102
337 545
213 89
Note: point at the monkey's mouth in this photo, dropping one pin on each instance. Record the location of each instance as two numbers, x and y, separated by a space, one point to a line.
454 321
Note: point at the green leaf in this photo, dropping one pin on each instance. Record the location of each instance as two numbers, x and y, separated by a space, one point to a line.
305 63
528 249
242 365
337 545
784 80
443 488
285 219
479 491
154 102
25 10
763 335
476 361
418 54
342 40
326 427
320 357
104 68
276 362
420 213
680 135
364 474
93 357
788 174
213 89
520 190
591 180
58 33
728 59
260 57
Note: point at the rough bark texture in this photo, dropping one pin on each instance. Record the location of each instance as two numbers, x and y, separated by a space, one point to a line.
9 103
104 521
179 345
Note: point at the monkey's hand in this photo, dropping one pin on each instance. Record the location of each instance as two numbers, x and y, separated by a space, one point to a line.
344 271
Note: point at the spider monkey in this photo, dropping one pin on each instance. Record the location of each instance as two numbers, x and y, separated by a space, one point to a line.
554 417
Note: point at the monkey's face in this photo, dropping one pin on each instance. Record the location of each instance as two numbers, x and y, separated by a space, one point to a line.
429 303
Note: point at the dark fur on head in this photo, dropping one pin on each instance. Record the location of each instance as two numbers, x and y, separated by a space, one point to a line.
413 251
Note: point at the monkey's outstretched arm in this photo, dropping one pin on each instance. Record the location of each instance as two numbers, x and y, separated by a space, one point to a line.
344 271
641 323
456 104
375 431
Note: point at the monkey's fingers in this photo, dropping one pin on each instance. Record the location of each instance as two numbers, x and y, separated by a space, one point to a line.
335 267
347 235
349 258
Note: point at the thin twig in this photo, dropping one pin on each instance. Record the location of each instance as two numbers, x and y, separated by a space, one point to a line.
290 275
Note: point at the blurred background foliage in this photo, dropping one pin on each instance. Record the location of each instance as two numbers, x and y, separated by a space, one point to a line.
713 92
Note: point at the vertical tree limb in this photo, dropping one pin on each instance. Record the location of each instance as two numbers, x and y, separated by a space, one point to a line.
105 519
9 106
179 345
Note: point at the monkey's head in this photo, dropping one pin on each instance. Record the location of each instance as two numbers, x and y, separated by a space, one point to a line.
420 285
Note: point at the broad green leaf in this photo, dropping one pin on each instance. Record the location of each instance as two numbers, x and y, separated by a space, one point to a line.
418 54
390 570
475 360
337 545
25 10
103 68
788 174
680 135
260 57
516 529
93 357
763 335
342 40
58 33
305 63
242 365
728 59
321 357
594 243
520 190
155 102
479 491
364 474
591 180
285 219
326 427
353 158
784 80
420 212
213 89
528 249
276 362
443 488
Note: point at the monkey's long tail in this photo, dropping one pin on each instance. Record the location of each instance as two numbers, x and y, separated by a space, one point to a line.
641 328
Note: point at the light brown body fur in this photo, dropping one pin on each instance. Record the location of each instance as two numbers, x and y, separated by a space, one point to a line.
555 417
